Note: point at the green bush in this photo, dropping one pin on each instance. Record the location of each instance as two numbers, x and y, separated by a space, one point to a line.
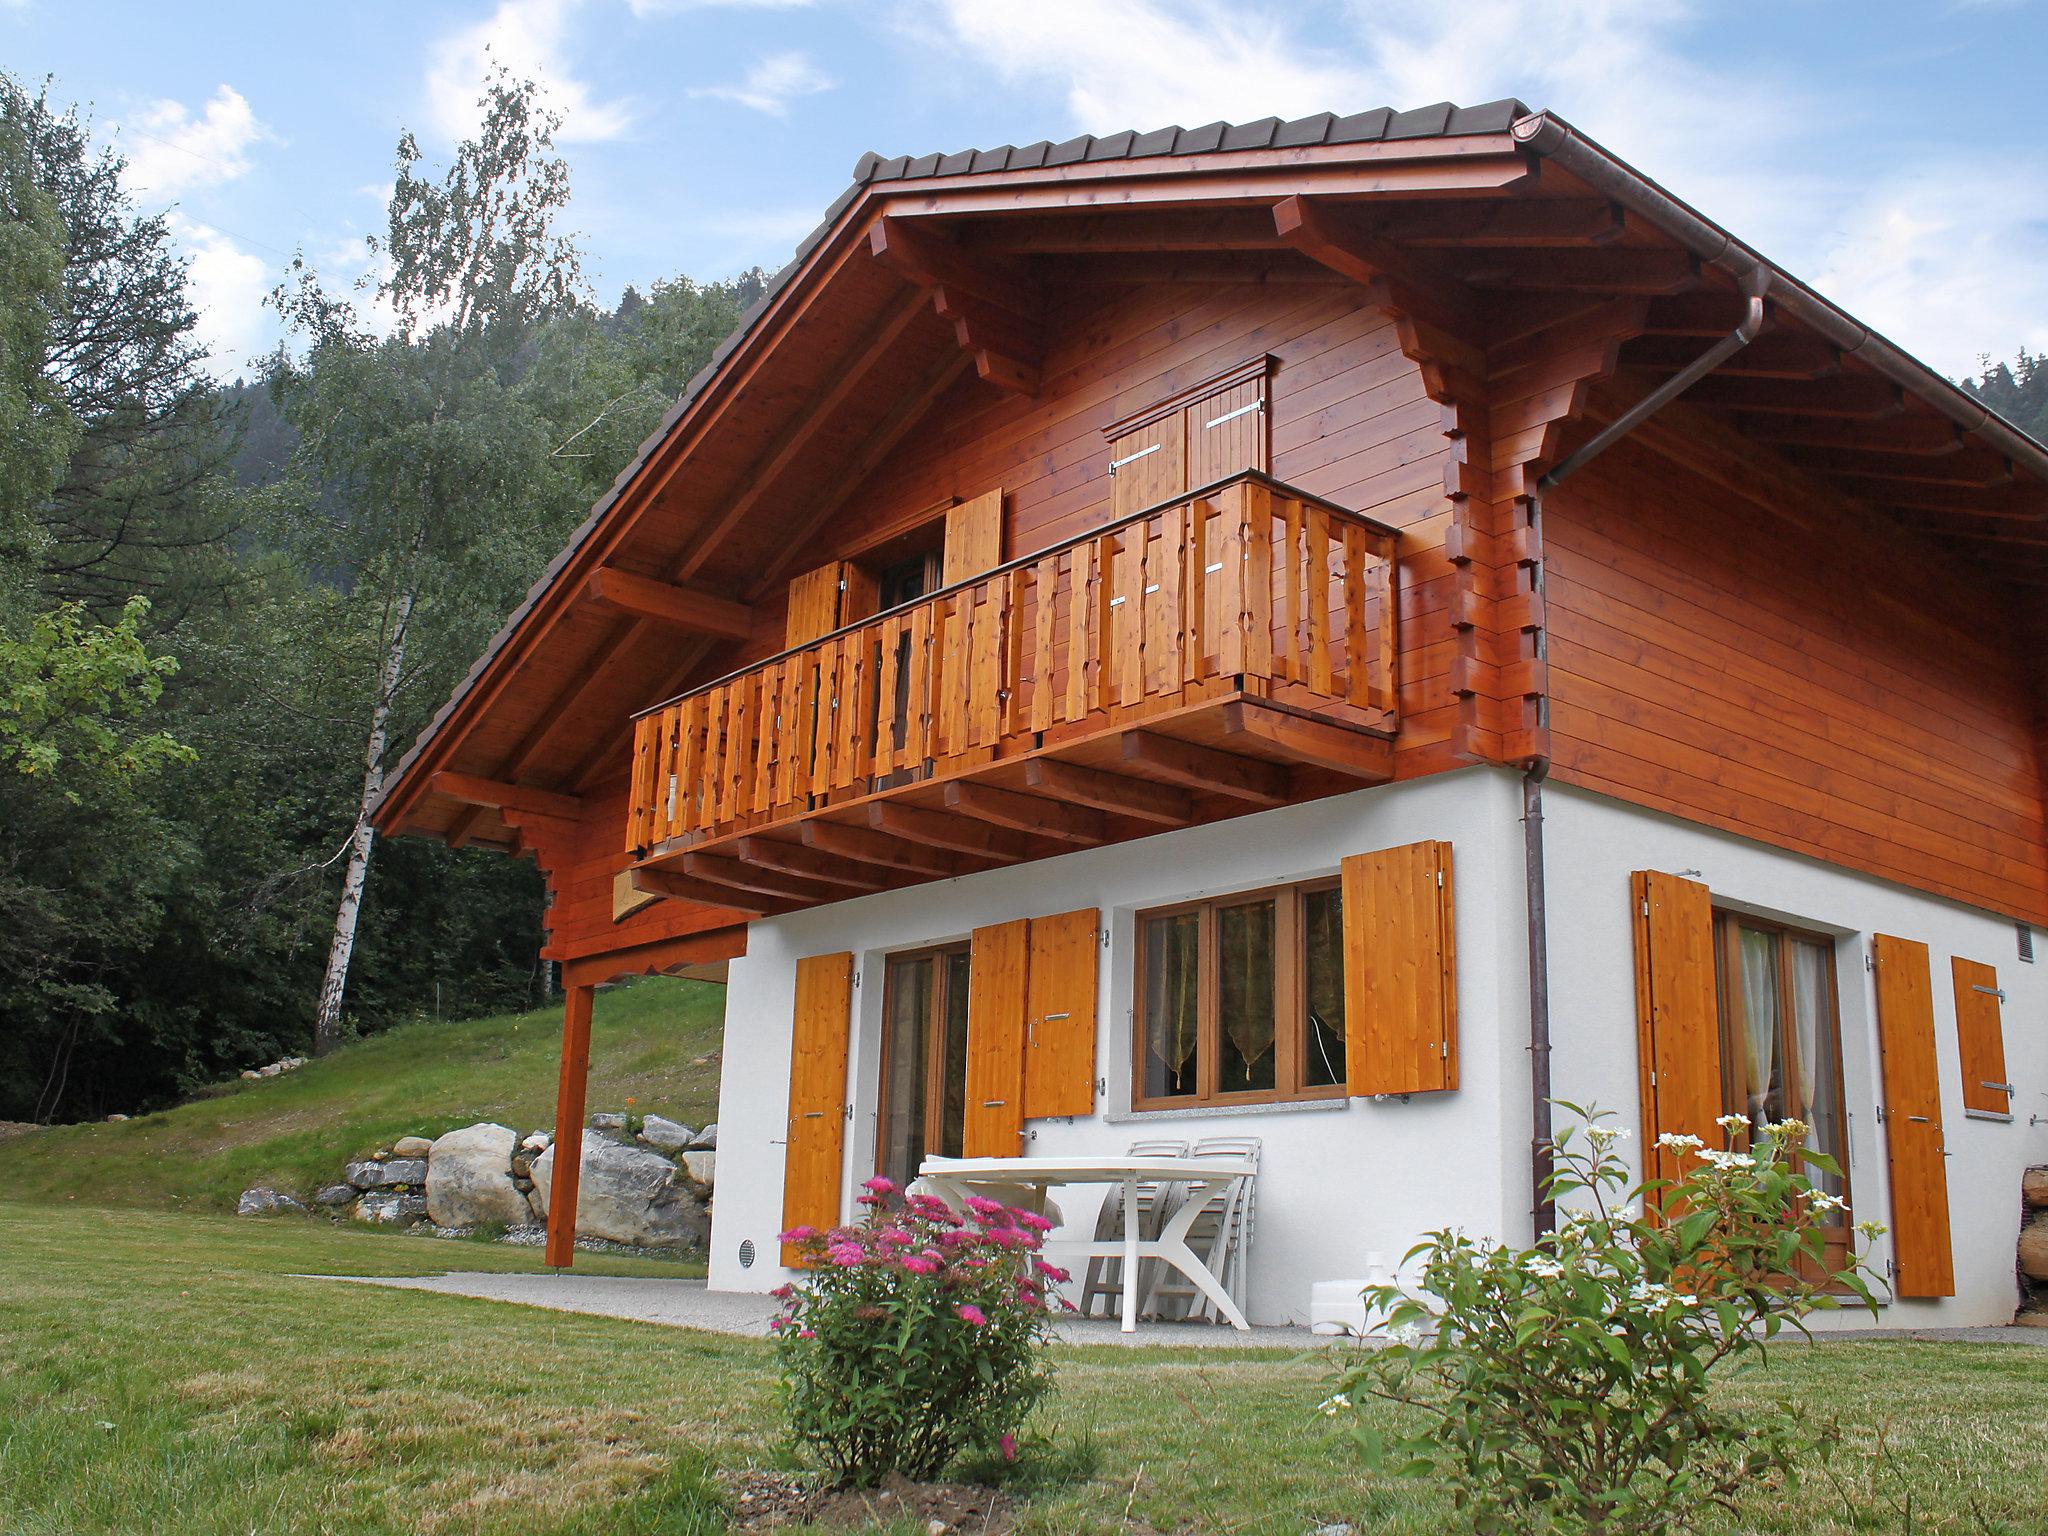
1565 1387
919 1335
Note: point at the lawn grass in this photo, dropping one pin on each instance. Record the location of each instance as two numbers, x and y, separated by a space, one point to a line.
295 1131
168 1373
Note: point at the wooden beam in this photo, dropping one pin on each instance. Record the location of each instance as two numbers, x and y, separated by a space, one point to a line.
1709 316
739 875
1975 468
629 896
1027 813
1532 222
1929 436
570 1092
1335 239
928 259
1205 768
705 893
473 790
1356 753
1096 233
2012 538
1148 268
1781 356
835 837
2022 503
937 829
1006 348
674 607
1117 793
1613 270
797 859
1853 397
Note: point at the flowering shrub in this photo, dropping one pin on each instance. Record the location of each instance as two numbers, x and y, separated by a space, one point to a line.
918 1335
1565 1387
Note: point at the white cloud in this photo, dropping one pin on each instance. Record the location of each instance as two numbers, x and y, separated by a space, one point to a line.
772 84
170 150
227 286
1137 63
646 8
530 38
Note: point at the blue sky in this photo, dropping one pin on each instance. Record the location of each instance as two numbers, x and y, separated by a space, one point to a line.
1889 153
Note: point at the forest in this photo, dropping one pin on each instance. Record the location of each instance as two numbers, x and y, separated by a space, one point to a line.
228 605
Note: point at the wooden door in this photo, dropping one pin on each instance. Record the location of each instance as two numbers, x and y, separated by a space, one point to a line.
1915 1150
1678 1022
1980 1035
997 995
1148 465
1226 432
1400 971
816 1142
1059 1043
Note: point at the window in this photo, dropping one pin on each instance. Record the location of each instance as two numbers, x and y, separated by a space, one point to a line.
924 1060
1241 999
1781 1052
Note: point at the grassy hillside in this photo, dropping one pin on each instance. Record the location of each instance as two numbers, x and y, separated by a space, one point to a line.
295 1131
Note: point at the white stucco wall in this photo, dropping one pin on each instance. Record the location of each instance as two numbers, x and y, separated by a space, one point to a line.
1342 1184
1348 1185
1593 845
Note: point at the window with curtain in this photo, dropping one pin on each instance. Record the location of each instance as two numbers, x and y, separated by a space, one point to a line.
924 1060
1781 1051
1241 999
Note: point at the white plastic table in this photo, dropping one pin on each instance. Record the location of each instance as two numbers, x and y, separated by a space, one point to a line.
953 1179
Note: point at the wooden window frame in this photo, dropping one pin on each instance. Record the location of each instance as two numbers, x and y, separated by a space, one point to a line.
935 1041
1728 985
1289 979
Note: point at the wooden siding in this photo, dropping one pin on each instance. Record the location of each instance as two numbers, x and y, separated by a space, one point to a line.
1798 672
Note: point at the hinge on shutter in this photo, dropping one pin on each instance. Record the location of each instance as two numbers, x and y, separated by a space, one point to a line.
1132 458
1646 906
1105 937
1242 410
1997 992
1439 879
856 981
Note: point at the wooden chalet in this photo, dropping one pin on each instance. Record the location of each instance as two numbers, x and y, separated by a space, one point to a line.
1052 659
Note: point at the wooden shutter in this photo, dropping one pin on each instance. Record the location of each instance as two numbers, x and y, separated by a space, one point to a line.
997 994
1148 465
1226 432
813 604
974 538
1678 1019
816 1142
1980 1032
1059 1042
1400 971
1914 1148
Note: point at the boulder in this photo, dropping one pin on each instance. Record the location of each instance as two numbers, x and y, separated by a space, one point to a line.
469 1178
366 1174
270 1071
668 1135
522 1163
334 1194
606 1122
411 1146
251 1075
410 1171
700 1167
262 1201
537 1141
115 1119
629 1195
385 1209
706 1139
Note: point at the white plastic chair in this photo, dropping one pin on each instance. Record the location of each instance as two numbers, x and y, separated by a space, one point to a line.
1221 1235
1105 1275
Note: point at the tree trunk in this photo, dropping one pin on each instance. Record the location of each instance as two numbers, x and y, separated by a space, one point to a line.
334 987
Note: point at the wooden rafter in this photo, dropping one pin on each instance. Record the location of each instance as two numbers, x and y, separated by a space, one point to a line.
1929 436
876 848
743 876
1117 793
706 893
993 304
1533 223
1197 767
1610 271
799 859
957 834
1312 741
1335 238
1853 397
472 789
1979 469
1027 813
671 606
1780 356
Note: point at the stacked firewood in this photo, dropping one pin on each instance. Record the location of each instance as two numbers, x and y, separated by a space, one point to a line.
2034 1248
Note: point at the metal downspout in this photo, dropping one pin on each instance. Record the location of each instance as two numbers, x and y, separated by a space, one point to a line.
1754 284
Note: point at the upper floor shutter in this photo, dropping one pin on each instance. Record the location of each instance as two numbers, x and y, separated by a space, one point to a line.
1980 1032
1148 465
1678 1020
816 1142
1400 971
822 600
1226 432
1915 1151
974 538
1202 435
1059 1029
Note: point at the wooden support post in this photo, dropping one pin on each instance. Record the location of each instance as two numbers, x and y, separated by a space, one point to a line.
569 1094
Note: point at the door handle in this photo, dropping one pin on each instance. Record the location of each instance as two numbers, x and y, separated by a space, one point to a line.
993 1103
814 1114
1920 1119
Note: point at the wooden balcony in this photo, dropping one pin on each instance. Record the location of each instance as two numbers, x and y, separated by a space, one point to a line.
1227 651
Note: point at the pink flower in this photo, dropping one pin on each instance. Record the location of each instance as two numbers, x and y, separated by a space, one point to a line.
845 1255
1051 1272
970 1313
880 1186
1009 1446
1031 1221
798 1235
806 1333
934 1255
984 1207
893 1237
783 1292
920 1266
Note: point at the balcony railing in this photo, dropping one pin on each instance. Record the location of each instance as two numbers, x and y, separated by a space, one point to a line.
1244 588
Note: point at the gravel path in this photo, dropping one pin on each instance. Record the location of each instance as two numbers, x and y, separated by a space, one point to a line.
690 1304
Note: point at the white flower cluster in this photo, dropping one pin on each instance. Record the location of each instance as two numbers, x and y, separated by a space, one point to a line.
1732 1123
1788 1130
1820 1200
1725 1161
1330 1407
1674 1141
1605 1136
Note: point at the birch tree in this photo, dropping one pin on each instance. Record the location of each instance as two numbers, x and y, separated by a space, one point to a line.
411 416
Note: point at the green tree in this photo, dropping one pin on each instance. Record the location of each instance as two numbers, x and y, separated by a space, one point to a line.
424 435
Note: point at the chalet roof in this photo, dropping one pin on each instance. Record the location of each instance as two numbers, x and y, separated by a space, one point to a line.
1541 133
